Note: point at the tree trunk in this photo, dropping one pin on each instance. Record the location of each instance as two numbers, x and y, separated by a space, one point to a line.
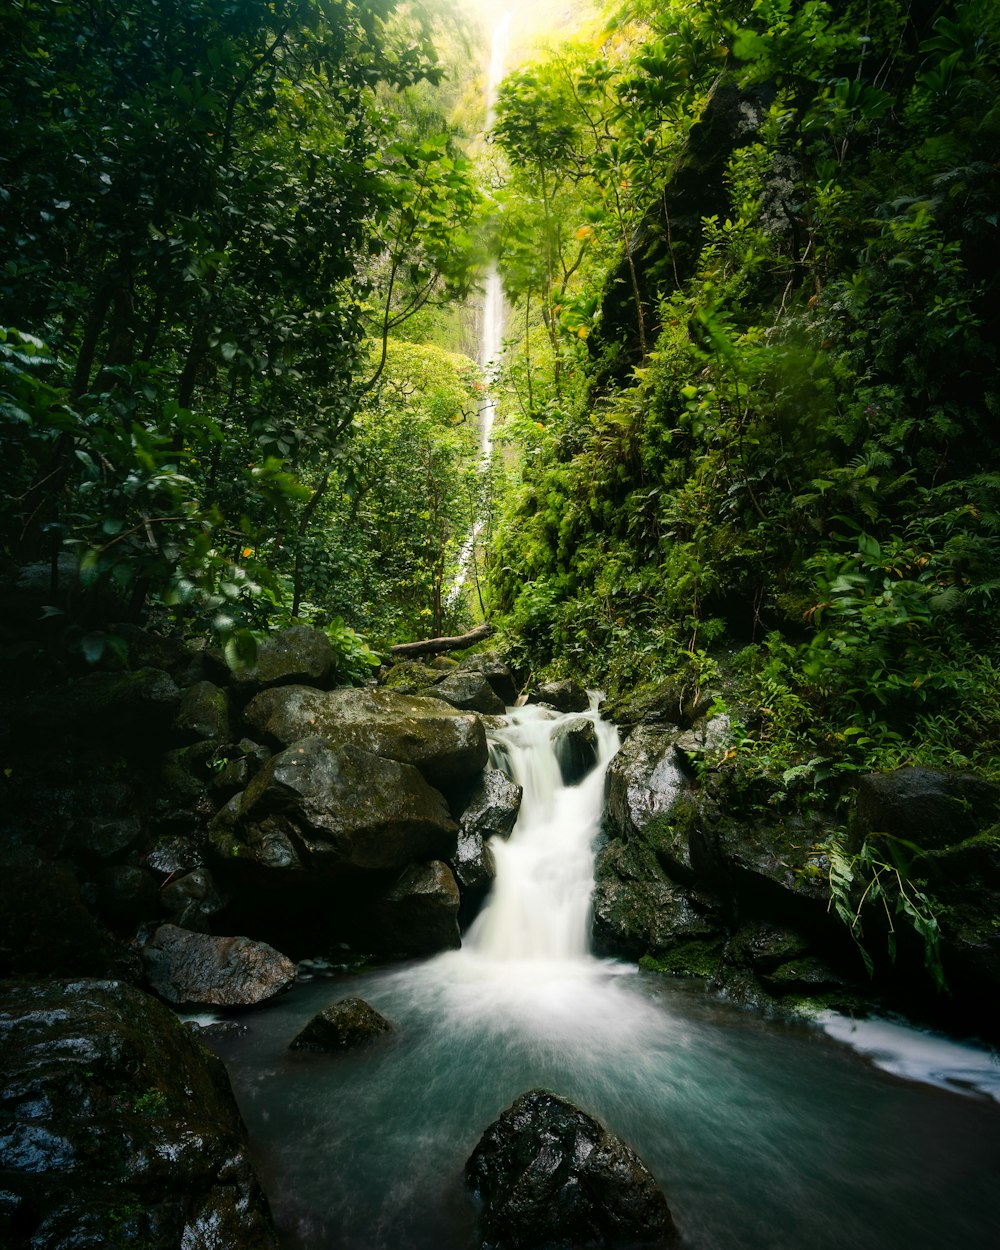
436 646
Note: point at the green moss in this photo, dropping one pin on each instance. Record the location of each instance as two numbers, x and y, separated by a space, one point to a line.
688 959
152 1102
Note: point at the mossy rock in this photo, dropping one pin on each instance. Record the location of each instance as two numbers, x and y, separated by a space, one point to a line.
688 959
409 677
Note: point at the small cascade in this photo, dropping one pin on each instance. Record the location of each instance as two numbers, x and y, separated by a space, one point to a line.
367 1151
539 908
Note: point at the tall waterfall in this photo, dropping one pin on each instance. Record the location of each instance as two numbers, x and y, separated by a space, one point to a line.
539 908
492 316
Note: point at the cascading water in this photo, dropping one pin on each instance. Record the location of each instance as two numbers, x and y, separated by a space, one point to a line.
492 318
540 904
764 1135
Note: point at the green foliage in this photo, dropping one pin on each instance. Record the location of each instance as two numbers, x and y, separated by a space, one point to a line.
382 553
153 1102
802 461
881 879
199 207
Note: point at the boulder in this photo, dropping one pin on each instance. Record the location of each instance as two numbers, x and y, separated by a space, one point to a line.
339 807
343 1025
490 812
564 696
638 910
418 914
492 807
550 1177
447 745
298 654
233 766
191 900
930 807
469 691
195 969
117 1129
103 837
496 671
473 863
182 802
203 714
409 677
174 855
145 649
575 745
646 781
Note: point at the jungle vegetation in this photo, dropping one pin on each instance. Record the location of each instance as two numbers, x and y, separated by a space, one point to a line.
749 406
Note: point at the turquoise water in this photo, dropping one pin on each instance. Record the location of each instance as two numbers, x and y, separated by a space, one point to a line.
762 1134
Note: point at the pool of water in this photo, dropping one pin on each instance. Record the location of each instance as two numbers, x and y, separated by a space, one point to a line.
763 1134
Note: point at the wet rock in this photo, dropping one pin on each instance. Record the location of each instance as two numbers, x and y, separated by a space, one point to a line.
117 1129
497 672
473 863
144 649
930 807
45 929
126 896
191 900
418 914
765 947
233 766
646 781
661 704
705 738
195 969
490 812
343 1025
447 745
575 745
469 691
638 910
174 855
104 837
182 803
336 807
564 696
492 807
298 654
551 1177
203 714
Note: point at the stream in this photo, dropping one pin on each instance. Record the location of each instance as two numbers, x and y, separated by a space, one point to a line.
762 1133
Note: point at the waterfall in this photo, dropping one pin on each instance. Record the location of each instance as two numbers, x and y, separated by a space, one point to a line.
366 1150
491 320
539 908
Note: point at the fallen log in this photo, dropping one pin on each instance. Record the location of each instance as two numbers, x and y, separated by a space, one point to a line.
435 646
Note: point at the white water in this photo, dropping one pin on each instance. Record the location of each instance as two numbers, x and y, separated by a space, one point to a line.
764 1135
539 908
492 319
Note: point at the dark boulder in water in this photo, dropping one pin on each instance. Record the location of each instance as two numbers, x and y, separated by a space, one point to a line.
551 1177
575 744
564 696
343 1025
418 914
